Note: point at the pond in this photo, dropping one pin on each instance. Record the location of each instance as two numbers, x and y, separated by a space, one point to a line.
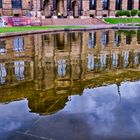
70 86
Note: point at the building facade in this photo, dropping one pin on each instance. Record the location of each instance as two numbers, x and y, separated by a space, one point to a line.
66 8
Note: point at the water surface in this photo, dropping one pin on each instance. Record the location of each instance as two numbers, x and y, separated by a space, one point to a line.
70 86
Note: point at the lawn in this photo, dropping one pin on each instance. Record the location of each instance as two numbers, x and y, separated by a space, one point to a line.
34 28
122 20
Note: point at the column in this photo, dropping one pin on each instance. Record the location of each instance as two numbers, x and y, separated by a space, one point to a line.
99 8
124 4
36 7
136 4
112 8
85 4
65 8
7 7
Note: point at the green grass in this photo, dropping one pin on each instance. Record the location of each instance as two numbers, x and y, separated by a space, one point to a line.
122 20
34 28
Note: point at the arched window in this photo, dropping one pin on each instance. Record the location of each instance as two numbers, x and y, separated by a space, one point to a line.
118 4
16 3
106 4
92 4
0 3
130 4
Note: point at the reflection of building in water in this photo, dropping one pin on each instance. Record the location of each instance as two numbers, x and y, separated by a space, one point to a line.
18 44
126 58
57 65
115 59
19 70
59 59
71 56
90 61
2 47
16 60
92 40
2 73
105 39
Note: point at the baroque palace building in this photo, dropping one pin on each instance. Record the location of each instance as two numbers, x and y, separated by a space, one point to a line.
66 8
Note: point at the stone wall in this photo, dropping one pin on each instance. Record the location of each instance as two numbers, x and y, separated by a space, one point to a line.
39 7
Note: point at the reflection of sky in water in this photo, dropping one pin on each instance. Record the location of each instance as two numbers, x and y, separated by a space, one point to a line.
14 116
105 113
99 112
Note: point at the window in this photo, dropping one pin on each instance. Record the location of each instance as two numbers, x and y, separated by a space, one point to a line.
90 63
115 59
126 58
19 70
92 4
92 40
128 39
18 44
130 4
105 39
103 58
69 5
62 68
3 74
54 4
106 4
136 58
16 3
117 39
2 47
118 4
0 3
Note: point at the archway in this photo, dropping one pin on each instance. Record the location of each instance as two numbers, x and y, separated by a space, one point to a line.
47 8
75 8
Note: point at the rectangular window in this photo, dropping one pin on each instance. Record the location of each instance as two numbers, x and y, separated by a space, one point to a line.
18 44
92 5
105 39
130 4
92 40
106 4
118 4
0 3
16 3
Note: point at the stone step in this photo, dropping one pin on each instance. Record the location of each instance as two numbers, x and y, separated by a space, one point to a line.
89 21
